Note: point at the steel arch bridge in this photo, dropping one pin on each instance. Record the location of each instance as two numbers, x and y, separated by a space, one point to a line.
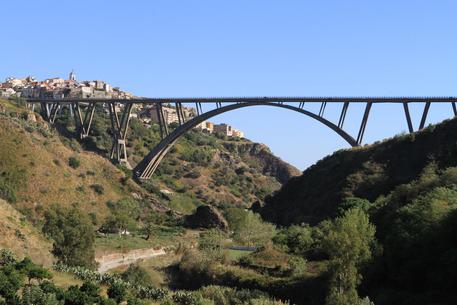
83 111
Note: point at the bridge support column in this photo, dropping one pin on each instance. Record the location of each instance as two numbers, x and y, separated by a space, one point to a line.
363 125
31 106
322 109
162 123
45 110
424 115
344 110
199 108
180 113
54 110
408 117
83 124
119 129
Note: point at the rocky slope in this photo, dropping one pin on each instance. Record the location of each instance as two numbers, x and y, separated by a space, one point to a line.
260 156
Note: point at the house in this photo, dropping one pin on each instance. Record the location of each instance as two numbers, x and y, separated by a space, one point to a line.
224 129
7 92
170 115
237 133
205 126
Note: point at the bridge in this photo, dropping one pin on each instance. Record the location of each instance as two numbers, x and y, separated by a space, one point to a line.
119 111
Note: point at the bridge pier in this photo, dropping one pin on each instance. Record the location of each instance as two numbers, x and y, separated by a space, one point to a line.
162 123
119 129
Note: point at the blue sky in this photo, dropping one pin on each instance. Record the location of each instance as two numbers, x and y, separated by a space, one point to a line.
248 48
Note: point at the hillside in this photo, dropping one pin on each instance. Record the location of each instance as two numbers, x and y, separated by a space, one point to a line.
22 237
200 168
63 201
408 187
41 166
36 170
366 172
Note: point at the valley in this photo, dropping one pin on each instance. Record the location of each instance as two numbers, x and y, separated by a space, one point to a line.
224 219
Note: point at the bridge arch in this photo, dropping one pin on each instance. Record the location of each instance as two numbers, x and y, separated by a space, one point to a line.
149 164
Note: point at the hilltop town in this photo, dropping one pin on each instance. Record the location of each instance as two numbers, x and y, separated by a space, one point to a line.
59 88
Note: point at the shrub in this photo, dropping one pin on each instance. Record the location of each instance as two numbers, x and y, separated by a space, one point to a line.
193 174
136 275
73 162
117 292
297 265
295 239
7 192
6 257
98 189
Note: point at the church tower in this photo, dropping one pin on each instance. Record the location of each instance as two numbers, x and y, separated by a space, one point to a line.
72 76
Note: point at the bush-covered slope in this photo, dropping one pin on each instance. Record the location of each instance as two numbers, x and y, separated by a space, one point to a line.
408 186
200 168
40 166
365 172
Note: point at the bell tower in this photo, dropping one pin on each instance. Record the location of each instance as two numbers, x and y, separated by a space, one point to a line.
72 76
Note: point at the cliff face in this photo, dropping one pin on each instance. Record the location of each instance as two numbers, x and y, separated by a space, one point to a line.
365 172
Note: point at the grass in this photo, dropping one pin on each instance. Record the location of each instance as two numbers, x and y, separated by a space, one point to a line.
234 255
21 237
65 280
183 203
156 267
162 237
116 243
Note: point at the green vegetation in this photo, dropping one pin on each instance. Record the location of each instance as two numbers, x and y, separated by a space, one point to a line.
73 162
199 167
124 216
408 187
251 230
348 243
73 236
39 288
375 223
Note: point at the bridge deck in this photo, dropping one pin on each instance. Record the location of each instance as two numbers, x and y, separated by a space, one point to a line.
258 100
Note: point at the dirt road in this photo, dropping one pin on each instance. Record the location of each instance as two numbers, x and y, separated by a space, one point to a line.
114 260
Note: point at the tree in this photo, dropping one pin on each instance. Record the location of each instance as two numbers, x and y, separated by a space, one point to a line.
35 295
32 271
136 275
74 296
117 292
353 202
148 228
10 282
251 230
348 243
73 235
91 289
211 244
125 214
295 239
